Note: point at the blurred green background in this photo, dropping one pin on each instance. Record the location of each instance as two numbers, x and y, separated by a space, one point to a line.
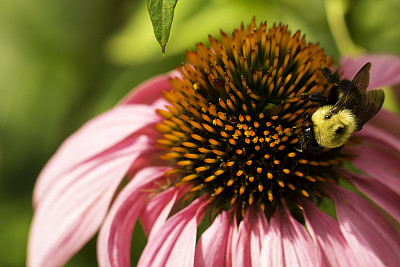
65 61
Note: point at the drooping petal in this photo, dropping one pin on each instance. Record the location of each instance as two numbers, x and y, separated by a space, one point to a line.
252 229
379 162
93 138
150 90
231 242
174 243
387 122
71 212
114 241
212 246
157 209
379 136
331 246
272 251
385 69
287 243
382 195
368 234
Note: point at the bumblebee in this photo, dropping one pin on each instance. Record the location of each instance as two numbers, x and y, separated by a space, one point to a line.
344 112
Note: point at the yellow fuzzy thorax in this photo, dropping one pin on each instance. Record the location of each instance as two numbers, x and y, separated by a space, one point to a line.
326 130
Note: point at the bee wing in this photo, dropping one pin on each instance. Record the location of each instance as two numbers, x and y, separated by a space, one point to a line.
349 99
354 90
361 80
371 103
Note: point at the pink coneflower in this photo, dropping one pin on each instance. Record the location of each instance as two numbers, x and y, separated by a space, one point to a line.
219 143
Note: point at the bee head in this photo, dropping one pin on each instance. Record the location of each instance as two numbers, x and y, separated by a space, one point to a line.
332 130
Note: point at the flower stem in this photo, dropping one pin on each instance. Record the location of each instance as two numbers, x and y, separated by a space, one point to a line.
337 24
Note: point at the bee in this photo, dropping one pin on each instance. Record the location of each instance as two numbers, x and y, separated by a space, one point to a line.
344 112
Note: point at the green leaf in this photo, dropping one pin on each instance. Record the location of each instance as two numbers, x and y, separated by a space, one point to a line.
161 14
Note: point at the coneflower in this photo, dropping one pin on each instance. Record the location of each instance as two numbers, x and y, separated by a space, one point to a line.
221 142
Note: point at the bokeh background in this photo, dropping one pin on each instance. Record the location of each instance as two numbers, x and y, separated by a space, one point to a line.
63 62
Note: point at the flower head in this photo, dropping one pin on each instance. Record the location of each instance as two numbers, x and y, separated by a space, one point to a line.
226 143
234 127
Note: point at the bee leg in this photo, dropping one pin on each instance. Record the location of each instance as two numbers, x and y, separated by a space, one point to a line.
306 116
331 76
306 133
315 98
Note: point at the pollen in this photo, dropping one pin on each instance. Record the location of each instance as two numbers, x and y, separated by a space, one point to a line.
232 130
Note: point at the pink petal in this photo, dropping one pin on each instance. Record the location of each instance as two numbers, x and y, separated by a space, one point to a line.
382 195
272 251
252 229
368 234
387 122
212 246
174 243
158 208
385 69
379 136
287 243
379 162
233 236
150 90
95 137
332 248
71 212
114 241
